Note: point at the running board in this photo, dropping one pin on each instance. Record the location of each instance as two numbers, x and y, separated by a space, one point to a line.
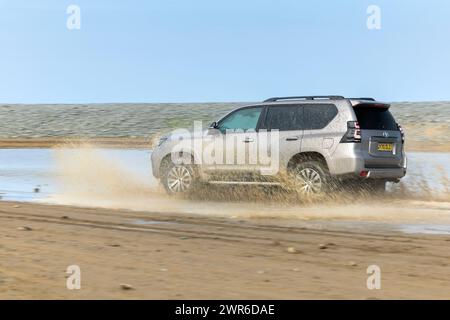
251 183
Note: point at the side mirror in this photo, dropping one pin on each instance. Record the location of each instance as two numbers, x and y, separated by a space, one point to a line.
213 125
213 129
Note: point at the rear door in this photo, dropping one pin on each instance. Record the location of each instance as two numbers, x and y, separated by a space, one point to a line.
288 120
381 140
322 132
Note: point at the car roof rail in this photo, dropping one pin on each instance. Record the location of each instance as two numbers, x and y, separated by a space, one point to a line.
368 99
304 98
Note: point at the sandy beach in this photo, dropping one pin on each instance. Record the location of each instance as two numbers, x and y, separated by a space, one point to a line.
175 256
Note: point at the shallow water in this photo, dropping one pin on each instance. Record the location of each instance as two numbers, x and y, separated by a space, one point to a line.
122 179
24 170
425 228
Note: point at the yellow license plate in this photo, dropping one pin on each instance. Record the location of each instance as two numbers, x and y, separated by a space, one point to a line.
385 146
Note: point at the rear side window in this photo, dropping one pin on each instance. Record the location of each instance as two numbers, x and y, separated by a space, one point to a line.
375 118
284 118
318 116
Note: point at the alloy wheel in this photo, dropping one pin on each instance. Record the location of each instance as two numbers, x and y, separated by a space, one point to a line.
310 181
179 179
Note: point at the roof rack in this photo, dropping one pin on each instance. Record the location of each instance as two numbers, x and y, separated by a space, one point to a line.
368 99
304 98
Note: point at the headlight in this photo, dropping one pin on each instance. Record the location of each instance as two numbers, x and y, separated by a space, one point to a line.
161 141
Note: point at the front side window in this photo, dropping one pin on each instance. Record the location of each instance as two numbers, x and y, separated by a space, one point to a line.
243 119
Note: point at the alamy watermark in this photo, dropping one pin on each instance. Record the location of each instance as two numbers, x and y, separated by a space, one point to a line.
214 147
374 19
73 281
73 21
374 278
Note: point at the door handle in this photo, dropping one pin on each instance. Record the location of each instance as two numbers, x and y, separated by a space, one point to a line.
247 140
292 138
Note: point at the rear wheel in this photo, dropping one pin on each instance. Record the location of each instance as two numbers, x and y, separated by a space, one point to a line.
310 178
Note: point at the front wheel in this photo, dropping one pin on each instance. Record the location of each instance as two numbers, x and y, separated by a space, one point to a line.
178 178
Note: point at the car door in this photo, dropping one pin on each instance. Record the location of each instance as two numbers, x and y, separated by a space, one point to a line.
287 120
321 133
239 139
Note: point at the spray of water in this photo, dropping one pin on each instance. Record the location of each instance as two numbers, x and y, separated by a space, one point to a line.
88 178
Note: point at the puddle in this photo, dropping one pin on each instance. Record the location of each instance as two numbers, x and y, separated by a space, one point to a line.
22 171
425 229
149 222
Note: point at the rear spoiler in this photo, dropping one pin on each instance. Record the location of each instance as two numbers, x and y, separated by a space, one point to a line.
363 103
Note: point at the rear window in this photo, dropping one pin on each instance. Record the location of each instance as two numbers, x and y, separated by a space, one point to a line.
300 117
318 116
375 119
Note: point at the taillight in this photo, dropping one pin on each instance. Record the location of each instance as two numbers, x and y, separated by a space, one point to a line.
402 132
364 174
353 133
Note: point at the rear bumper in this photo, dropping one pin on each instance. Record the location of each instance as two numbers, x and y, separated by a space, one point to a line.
386 174
389 173
352 167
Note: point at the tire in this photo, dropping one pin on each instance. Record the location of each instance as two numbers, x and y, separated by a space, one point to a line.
310 178
178 178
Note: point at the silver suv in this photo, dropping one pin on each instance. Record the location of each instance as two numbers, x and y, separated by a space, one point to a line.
319 139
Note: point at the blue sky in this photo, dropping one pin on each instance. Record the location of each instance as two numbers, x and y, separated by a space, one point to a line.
233 50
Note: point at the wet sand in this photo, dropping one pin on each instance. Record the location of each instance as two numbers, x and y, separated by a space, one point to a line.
173 256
